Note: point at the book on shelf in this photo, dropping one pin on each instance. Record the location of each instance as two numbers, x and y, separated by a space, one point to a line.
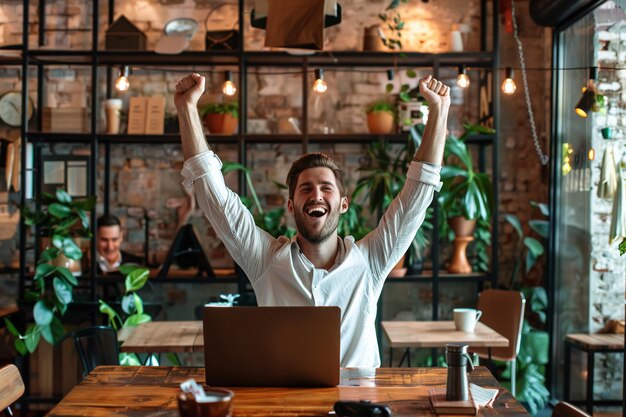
155 115
146 115
137 115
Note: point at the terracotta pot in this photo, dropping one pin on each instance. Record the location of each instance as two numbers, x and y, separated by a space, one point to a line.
380 122
461 226
222 124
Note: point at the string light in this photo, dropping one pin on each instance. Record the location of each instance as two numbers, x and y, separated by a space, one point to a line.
463 80
229 87
508 85
389 75
591 155
588 99
319 86
122 84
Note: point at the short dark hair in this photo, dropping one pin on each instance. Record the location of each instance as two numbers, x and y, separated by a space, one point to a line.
313 160
108 220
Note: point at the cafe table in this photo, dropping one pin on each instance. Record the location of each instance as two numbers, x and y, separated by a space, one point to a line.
436 334
163 337
143 391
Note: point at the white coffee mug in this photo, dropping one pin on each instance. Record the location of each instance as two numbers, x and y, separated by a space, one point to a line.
465 319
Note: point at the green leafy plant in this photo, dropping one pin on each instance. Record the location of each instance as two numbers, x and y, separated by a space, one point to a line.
219 108
272 221
534 344
384 177
132 313
392 20
465 191
381 106
622 247
528 249
60 220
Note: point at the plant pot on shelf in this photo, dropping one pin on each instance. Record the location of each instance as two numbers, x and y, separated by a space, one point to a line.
222 124
380 122
463 231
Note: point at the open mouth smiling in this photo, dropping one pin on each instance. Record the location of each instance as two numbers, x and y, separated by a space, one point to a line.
316 211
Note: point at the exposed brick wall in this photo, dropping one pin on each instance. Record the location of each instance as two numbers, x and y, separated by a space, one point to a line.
276 98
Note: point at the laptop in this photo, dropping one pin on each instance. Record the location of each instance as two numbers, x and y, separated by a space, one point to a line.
271 346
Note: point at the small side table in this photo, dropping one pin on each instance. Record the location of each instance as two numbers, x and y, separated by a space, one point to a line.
592 344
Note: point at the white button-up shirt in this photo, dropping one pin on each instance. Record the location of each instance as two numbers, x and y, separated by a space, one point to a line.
282 276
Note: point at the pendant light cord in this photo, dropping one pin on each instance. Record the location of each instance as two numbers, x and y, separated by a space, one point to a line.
543 158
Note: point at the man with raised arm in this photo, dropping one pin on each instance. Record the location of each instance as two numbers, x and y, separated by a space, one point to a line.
316 267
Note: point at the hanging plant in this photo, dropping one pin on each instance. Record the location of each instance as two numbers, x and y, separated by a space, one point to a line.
392 20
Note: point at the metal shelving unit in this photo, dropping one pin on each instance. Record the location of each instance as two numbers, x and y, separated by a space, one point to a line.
101 60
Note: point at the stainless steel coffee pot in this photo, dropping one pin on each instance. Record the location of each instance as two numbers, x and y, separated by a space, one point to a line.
457 387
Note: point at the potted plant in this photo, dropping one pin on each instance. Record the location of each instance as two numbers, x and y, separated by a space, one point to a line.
384 177
380 117
220 118
60 220
466 195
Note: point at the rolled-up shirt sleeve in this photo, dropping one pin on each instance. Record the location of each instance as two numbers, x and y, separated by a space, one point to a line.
425 173
201 165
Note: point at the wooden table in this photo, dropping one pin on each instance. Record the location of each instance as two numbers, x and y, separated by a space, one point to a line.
435 334
142 391
164 337
591 344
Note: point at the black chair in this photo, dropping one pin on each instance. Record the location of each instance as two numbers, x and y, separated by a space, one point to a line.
96 345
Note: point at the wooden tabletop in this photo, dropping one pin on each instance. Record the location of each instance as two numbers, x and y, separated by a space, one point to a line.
432 334
142 391
603 341
163 337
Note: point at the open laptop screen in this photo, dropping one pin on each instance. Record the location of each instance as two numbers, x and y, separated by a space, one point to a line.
272 346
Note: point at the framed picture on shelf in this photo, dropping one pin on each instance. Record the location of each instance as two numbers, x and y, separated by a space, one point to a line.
69 172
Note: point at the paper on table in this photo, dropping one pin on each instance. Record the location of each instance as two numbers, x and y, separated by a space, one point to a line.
483 397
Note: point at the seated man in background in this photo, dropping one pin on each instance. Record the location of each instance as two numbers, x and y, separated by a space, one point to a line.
110 238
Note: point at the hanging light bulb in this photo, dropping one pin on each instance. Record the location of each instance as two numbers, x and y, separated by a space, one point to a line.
122 84
508 85
588 99
591 155
389 75
229 88
463 80
319 86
